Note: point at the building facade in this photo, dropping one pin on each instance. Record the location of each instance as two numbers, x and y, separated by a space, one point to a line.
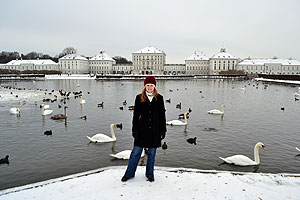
269 66
148 60
73 64
222 62
174 69
23 65
197 63
101 64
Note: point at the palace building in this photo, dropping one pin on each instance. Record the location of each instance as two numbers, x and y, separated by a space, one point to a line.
148 60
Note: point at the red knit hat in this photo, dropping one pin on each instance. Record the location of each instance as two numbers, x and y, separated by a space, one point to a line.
150 80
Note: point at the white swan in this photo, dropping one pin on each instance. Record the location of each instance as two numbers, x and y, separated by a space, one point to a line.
46 112
104 138
15 111
125 155
177 122
244 160
82 101
217 112
297 148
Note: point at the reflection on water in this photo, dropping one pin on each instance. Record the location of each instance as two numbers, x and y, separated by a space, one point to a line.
250 116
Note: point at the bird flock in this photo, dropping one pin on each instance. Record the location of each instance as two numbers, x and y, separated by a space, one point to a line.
63 96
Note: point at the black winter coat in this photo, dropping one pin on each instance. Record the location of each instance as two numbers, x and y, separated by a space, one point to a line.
149 122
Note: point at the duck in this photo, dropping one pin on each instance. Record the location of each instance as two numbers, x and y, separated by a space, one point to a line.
168 100
46 112
101 104
181 116
83 117
242 160
192 140
125 103
15 111
100 138
4 160
217 112
164 146
177 122
48 132
45 106
82 101
125 155
60 116
130 107
178 105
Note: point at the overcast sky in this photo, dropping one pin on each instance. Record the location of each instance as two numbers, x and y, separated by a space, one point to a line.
255 28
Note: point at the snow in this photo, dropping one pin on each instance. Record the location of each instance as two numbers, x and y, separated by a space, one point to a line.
149 50
102 57
269 61
170 183
71 76
34 62
197 56
224 55
277 81
73 57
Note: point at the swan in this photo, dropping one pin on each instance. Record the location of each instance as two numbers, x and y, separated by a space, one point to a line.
297 148
82 101
61 116
177 122
15 111
104 138
244 160
217 112
125 155
46 112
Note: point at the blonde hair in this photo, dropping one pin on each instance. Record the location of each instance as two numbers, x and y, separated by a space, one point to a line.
144 96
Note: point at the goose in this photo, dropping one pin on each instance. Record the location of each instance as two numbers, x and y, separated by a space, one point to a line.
217 112
125 155
82 101
60 116
242 160
15 111
104 138
177 122
46 112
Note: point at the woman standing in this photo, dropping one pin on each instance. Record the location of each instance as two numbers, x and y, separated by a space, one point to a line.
148 128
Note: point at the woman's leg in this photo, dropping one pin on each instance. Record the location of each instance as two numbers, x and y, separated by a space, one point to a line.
133 162
150 164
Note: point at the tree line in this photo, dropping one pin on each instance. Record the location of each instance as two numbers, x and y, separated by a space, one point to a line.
6 57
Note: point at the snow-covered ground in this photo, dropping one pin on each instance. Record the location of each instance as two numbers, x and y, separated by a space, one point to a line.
277 81
170 183
72 76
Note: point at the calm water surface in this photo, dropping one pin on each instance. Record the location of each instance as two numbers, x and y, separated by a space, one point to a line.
250 116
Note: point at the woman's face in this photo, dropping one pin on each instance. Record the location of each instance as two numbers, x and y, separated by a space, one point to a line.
149 88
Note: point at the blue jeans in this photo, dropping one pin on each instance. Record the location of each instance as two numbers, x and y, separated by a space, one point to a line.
134 161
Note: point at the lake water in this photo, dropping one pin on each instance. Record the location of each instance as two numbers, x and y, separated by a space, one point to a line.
250 116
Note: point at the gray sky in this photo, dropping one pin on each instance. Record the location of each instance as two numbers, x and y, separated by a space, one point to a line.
256 28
